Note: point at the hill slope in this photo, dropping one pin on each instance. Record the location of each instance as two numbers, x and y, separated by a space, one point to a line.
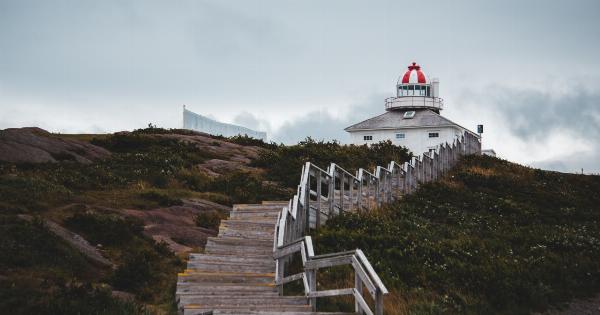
150 197
492 237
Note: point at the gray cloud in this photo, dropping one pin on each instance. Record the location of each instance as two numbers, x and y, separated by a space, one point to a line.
570 116
533 114
248 120
322 125
70 66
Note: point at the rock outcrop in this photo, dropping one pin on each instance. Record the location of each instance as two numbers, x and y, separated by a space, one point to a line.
35 145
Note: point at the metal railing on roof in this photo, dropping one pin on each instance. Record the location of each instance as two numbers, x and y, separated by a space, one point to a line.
414 102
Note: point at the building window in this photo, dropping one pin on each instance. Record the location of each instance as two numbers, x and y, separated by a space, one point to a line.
368 138
400 136
409 114
434 135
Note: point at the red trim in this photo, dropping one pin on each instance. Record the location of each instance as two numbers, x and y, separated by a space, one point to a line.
421 77
406 76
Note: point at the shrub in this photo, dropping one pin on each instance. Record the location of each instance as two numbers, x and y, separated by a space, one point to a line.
209 219
162 199
149 272
31 245
246 140
105 229
24 296
283 163
33 193
246 187
512 239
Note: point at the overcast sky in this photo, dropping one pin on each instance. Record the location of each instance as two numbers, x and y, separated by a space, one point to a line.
528 70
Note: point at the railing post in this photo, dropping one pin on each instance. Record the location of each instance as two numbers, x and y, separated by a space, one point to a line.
358 285
318 215
312 285
280 274
378 302
331 195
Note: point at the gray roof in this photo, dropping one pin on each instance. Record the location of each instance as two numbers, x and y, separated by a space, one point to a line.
395 120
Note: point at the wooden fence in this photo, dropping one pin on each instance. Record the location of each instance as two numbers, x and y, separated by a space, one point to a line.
323 194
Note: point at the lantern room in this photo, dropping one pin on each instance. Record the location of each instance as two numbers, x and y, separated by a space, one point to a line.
415 90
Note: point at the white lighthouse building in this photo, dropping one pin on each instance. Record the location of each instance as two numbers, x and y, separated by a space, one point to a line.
412 118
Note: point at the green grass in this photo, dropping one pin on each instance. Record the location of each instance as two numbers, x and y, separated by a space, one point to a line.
492 237
284 163
41 274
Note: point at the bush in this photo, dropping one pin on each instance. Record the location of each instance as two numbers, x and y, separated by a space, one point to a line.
511 238
246 187
33 193
246 140
26 296
31 245
149 272
105 229
283 163
209 219
162 199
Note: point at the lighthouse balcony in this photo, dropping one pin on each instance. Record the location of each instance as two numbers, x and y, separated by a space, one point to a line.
407 102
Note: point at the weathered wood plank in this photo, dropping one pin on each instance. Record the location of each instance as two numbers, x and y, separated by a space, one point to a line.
336 292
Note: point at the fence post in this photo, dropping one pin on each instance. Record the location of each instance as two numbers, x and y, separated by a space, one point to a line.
280 272
312 286
318 211
378 302
358 285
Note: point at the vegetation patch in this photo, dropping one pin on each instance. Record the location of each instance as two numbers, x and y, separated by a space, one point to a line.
284 163
210 219
161 198
492 238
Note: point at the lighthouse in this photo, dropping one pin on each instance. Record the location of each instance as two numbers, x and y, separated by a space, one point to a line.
412 118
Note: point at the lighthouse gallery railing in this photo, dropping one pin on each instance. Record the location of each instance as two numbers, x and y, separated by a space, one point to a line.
323 194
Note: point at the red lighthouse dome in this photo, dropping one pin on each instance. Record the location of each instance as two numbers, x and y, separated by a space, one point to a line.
414 75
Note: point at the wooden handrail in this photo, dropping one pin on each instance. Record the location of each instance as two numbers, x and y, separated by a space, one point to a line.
365 191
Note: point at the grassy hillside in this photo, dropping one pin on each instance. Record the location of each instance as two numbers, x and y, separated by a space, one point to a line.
148 169
493 237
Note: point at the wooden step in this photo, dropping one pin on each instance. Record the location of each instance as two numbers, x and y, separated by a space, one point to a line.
209 289
237 312
226 277
254 216
234 261
238 241
266 207
245 233
236 267
236 272
278 309
276 202
238 250
248 225
233 300
230 258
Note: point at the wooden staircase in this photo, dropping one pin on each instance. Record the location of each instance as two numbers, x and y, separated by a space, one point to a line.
236 272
